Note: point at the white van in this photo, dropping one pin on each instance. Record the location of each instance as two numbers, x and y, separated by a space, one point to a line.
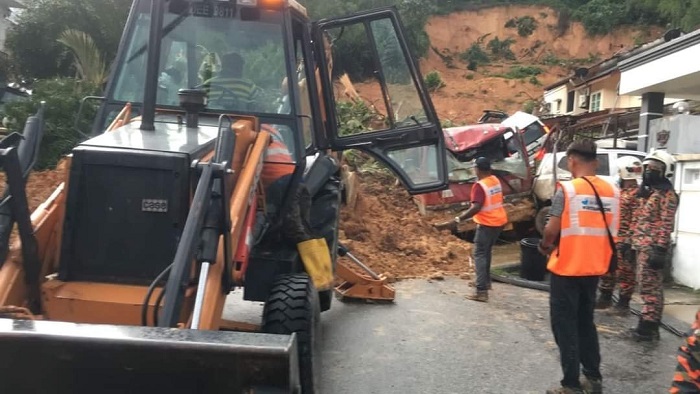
533 130
543 186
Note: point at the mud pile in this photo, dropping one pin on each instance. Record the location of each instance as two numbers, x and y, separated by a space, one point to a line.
387 233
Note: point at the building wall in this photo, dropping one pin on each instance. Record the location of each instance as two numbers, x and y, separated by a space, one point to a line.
552 96
686 267
607 87
630 101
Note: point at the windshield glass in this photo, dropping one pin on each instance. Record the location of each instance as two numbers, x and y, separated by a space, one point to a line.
208 45
459 171
532 133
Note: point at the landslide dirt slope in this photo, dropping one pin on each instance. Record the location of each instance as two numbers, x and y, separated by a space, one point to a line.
463 99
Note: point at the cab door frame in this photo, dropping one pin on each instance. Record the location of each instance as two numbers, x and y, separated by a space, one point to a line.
426 133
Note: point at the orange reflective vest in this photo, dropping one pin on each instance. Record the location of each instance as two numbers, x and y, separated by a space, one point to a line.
492 213
584 247
278 161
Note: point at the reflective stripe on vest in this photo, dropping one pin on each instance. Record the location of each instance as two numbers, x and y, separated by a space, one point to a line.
587 202
492 212
278 160
277 151
584 247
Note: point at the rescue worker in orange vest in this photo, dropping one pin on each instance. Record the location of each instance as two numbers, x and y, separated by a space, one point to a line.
578 239
490 217
276 174
295 224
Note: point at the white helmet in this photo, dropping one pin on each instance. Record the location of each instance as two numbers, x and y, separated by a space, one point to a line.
664 157
629 168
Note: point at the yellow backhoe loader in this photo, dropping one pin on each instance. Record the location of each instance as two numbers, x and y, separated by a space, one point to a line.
210 167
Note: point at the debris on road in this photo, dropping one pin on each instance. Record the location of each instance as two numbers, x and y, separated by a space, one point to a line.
386 231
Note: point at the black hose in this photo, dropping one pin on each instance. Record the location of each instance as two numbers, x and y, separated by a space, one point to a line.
159 301
149 293
545 287
520 282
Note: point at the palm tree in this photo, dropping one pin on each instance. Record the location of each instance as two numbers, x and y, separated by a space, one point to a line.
89 63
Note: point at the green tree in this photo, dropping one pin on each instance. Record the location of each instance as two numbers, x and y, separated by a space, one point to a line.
680 13
601 16
33 41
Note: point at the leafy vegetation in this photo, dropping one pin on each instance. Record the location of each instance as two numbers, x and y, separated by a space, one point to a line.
356 117
526 25
522 72
89 63
433 81
475 56
501 48
34 44
62 97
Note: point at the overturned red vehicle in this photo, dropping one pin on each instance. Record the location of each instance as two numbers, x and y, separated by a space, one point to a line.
507 150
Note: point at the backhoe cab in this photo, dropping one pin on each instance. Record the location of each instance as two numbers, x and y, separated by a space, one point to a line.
212 151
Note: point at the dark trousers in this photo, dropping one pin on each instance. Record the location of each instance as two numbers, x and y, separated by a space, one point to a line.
484 239
571 304
296 220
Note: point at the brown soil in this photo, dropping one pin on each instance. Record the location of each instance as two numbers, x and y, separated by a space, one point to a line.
40 185
386 232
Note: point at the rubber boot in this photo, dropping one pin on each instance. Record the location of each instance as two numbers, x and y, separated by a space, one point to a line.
604 300
646 331
622 308
591 385
479 295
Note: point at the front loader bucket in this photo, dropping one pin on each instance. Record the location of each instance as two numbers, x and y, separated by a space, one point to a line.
58 357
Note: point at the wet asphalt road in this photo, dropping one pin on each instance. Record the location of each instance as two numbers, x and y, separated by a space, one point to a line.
433 340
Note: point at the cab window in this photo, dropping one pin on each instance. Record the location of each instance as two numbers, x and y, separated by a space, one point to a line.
239 62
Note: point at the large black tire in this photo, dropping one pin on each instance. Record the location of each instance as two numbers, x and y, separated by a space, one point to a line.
325 298
293 306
